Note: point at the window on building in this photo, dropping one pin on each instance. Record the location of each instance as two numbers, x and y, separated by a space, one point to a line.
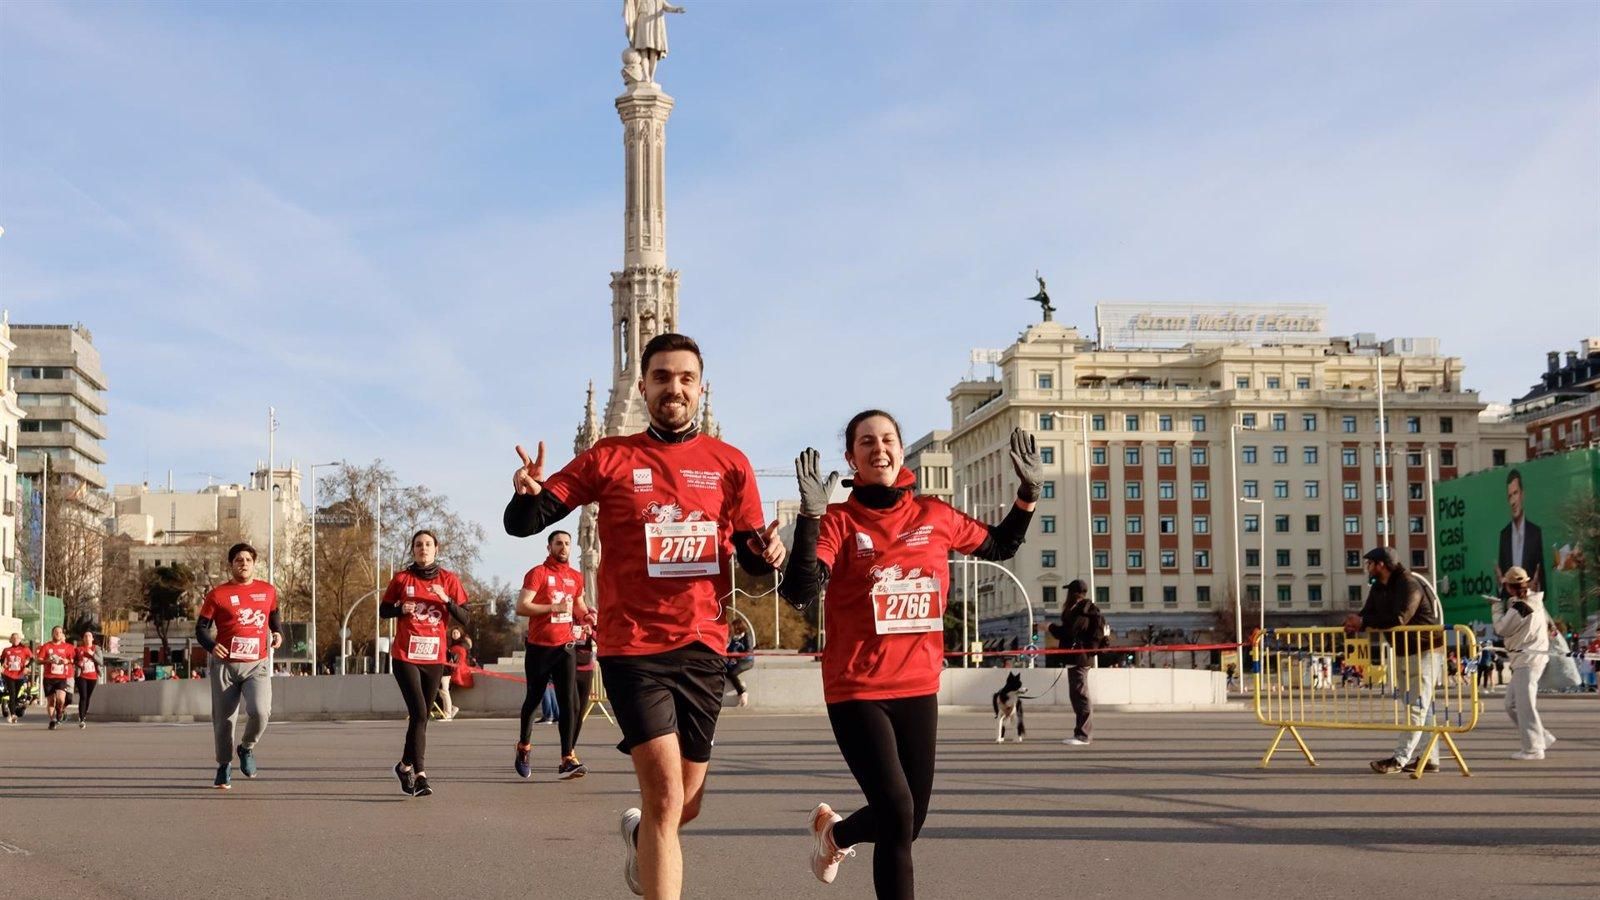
1168 525
1047 455
1097 456
1348 457
1280 490
1348 424
1047 491
1045 381
1308 421
1414 458
1273 382
1248 454
1310 455
1280 524
1413 424
1280 422
1135 524
1447 457
1314 594
1202 594
1163 423
1097 490
1133 490
1047 422
1136 595
1353 596
1102 595
1100 525
1251 488
1352 559
1202 524
1135 559
1165 490
1313 490
1447 424
1252 594
1419 559
1202 559
1285 595
1164 456
1102 559
1241 384
1281 559
1383 525
1130 423
1169 595
1313 523
1252 558
1197 423
1252 523
1198 490
1414 490
1314 558
1247 420
1415 523
1382 424
1048 595
1097 422
1499 457
1169 559
1280 455
1352 490
1352 524
1047 524
1302 383
1047 559
1198 456
1130 455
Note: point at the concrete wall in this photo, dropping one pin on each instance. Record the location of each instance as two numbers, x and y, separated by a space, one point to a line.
787 686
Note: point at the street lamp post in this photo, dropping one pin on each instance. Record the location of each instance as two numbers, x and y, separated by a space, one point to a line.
344 631
1238 552
313 628
44 544
1261 526
1026 602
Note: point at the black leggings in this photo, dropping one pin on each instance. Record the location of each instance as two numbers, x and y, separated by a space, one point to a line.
14 688
585 690
418 685
85 691
889 746
557 664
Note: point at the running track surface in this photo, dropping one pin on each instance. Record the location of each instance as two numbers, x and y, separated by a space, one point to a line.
1160 804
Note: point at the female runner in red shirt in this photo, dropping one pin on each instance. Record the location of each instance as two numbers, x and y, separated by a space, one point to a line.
421 596
883 557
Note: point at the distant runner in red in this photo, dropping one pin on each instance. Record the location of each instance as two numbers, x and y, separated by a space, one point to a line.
239 626
56 659
421 596
90 664
882 556
676 508
552 600
15 661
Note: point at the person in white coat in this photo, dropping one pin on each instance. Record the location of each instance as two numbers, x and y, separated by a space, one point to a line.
1521 621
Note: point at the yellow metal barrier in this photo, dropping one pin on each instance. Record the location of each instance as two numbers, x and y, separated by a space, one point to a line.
1398 679
597 697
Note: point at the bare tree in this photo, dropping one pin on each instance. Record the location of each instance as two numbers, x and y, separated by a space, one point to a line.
75 545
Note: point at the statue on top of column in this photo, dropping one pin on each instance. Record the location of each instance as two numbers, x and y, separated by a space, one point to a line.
646 25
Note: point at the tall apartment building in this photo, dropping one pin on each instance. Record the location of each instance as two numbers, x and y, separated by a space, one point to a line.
928 457
11 416
1562 411
1186 408
61 386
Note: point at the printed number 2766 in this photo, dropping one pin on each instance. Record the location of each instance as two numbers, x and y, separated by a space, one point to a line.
909 606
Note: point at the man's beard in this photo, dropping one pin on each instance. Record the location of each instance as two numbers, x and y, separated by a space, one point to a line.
659 414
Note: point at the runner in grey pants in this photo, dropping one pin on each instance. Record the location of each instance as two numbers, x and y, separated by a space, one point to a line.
232 682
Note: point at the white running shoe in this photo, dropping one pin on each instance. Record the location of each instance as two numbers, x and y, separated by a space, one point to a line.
1076 742
825 858
1526 755
630 849
1549 740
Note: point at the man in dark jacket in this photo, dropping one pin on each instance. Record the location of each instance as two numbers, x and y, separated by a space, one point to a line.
1401 598
1082 627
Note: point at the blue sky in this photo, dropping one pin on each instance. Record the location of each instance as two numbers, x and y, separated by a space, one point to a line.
396 222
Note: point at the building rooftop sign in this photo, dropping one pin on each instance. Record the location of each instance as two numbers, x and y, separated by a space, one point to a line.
1177 324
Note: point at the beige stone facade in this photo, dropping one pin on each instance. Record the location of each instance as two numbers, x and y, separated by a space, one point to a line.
1162 473
11 415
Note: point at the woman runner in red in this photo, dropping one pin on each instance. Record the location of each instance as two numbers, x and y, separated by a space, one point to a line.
90 662
883 557
421 596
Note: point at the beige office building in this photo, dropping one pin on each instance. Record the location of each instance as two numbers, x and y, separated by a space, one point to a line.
1158 393
168 526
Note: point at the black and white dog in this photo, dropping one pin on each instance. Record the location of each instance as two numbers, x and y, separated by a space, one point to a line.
1008 708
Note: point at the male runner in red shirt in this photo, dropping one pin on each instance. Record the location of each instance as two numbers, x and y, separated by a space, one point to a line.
56 659
675 507
14 663
239 625
552 599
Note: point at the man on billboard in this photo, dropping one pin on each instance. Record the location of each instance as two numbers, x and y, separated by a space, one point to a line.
1521 541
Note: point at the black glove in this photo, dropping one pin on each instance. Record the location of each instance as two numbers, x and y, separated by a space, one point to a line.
814 489
1025 459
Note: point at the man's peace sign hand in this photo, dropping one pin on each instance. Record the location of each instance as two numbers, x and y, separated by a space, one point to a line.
530 476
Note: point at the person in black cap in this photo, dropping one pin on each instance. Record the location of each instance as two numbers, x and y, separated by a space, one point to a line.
1399 597
1082 627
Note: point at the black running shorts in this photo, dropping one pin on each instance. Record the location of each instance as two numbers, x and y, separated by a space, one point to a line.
676 692
51 685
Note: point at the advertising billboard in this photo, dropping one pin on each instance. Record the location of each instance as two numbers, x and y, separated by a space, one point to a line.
1177 324
1514 515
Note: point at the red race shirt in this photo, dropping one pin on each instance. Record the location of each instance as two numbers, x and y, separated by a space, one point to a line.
57 658
667 517
420 637
554 582
14 661
240 612
886 595
88 665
